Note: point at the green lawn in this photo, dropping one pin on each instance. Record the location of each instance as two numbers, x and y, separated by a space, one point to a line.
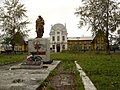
11 58
103 70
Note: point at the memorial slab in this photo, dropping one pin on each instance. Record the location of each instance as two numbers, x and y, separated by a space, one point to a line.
39 47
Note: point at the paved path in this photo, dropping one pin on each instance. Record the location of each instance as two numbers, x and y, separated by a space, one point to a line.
88 85
24 79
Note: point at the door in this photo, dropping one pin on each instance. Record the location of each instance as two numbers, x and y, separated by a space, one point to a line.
58 47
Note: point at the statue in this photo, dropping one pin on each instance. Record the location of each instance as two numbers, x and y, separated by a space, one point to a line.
40 27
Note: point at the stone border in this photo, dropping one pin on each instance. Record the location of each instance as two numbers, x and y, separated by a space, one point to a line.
88 85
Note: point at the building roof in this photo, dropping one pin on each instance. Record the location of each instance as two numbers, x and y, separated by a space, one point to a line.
58 26
80 38
99 32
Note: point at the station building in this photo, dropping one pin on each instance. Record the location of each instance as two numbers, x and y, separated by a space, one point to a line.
60 42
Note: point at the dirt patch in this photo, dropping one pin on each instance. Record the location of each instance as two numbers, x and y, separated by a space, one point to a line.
60 80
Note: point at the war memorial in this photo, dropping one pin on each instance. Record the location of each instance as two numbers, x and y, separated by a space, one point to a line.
34 69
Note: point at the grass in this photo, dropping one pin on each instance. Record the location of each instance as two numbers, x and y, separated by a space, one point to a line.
102 69
11 58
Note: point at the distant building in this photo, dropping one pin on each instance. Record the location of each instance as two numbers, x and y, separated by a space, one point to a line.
1 45
58 38
4 48
79 43
99 41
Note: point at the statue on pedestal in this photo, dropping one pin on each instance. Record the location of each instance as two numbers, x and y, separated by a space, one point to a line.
40 27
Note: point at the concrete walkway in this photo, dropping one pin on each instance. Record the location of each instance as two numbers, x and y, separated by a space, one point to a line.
88 85
24 79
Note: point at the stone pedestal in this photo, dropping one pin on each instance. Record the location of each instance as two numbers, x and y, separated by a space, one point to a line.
39 47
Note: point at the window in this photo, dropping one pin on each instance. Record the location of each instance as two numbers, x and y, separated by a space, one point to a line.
102 38
80 46
102 41
53 46
102 46
58 32
69 46
98 40
89 46
20 48
63 47
53 38
85 42
16 48
63 38
98 46
85 46
58 38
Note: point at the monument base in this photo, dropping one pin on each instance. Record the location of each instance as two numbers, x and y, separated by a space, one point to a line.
38 51
39 47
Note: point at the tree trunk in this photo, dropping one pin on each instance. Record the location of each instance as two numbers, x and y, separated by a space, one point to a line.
107 43
13 45
107 30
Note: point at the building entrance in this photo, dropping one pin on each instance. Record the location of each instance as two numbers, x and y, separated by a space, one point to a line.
58 47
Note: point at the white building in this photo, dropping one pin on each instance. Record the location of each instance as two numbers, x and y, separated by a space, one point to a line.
58 37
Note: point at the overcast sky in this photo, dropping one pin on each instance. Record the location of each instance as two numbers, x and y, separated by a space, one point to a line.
54 11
